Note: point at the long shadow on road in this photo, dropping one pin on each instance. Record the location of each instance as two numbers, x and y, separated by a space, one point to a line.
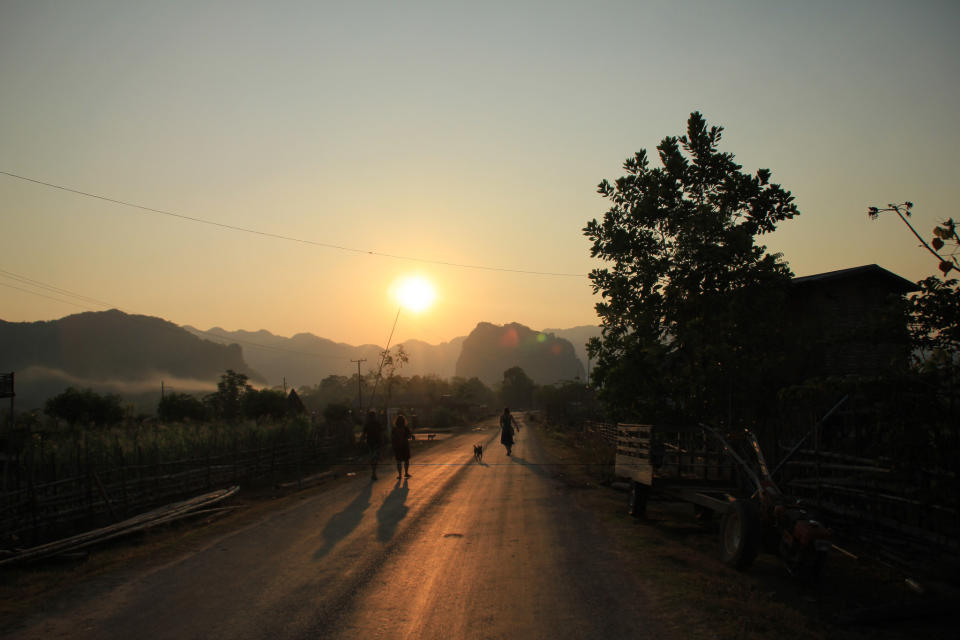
392 511
533 466
341 524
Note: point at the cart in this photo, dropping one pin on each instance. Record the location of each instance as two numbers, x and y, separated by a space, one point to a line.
723 476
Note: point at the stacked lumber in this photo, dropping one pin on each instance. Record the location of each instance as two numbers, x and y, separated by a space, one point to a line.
162 515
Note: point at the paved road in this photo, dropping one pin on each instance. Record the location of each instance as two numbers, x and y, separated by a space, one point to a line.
460 550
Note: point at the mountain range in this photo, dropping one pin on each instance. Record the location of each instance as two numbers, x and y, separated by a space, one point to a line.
133 355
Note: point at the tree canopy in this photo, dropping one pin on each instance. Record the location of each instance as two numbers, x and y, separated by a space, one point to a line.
691 303
226 401
85 406
174 407
517 388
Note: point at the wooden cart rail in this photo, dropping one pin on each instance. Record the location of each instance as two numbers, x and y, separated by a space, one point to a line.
656 455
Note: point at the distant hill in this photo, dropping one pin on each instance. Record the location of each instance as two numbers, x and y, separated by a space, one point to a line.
305 359
491 349
114 352
111 351
578 337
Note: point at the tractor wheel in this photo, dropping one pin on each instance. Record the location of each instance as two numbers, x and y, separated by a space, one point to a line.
638 499
740 534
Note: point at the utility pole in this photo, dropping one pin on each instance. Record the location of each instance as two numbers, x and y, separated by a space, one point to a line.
359 384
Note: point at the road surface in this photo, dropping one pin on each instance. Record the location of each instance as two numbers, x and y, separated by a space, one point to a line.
459 550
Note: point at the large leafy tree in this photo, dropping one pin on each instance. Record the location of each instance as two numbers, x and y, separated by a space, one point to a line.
691 303
85 406
226 401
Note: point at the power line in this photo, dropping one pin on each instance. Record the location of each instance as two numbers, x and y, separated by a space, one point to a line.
46 296
51 288
277 236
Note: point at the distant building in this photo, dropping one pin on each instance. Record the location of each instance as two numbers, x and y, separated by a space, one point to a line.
850 322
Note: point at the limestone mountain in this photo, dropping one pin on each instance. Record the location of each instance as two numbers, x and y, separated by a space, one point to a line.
578 337
491 349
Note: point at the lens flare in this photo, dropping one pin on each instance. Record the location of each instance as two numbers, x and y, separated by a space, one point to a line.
414 293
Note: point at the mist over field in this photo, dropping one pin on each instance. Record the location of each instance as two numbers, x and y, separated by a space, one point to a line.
36 384
133 356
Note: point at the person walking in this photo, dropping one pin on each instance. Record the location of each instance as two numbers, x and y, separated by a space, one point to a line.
400 439
372 436
507 423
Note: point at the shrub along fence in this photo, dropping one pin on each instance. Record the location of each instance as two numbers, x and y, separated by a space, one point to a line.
64 482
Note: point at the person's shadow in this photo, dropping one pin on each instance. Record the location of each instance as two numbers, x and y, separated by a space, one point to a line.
536 468
341 524
392 511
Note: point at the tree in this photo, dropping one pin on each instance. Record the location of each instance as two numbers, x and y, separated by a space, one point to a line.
691 303
225 402
935 309
390 365
85 406
472 392
177 407
517 388
333 389
567 404
264 403
925 421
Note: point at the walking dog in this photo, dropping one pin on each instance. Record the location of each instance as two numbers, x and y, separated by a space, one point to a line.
478 452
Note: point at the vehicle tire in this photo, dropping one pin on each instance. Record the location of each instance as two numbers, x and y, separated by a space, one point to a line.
740 534
638 499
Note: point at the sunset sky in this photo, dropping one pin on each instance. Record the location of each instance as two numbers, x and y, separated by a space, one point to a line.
389 139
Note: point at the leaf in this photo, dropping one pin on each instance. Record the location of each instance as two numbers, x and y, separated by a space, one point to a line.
945 267
937 244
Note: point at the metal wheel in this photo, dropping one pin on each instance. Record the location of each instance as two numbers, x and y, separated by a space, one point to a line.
740 534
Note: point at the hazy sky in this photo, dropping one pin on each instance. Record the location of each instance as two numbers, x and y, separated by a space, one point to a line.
469 133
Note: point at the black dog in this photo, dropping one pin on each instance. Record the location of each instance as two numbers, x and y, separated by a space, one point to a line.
478 452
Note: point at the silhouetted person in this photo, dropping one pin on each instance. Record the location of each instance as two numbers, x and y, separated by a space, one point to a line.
374 440
507 423
400 438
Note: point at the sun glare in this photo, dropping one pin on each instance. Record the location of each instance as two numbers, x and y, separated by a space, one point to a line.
414 293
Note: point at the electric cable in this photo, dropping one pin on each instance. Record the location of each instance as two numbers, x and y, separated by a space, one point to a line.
278 236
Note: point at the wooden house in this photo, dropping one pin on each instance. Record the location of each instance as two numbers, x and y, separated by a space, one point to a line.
850 322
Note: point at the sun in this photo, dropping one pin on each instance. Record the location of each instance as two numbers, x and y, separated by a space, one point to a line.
414 293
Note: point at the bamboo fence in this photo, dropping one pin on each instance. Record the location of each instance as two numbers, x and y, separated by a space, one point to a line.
106 491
